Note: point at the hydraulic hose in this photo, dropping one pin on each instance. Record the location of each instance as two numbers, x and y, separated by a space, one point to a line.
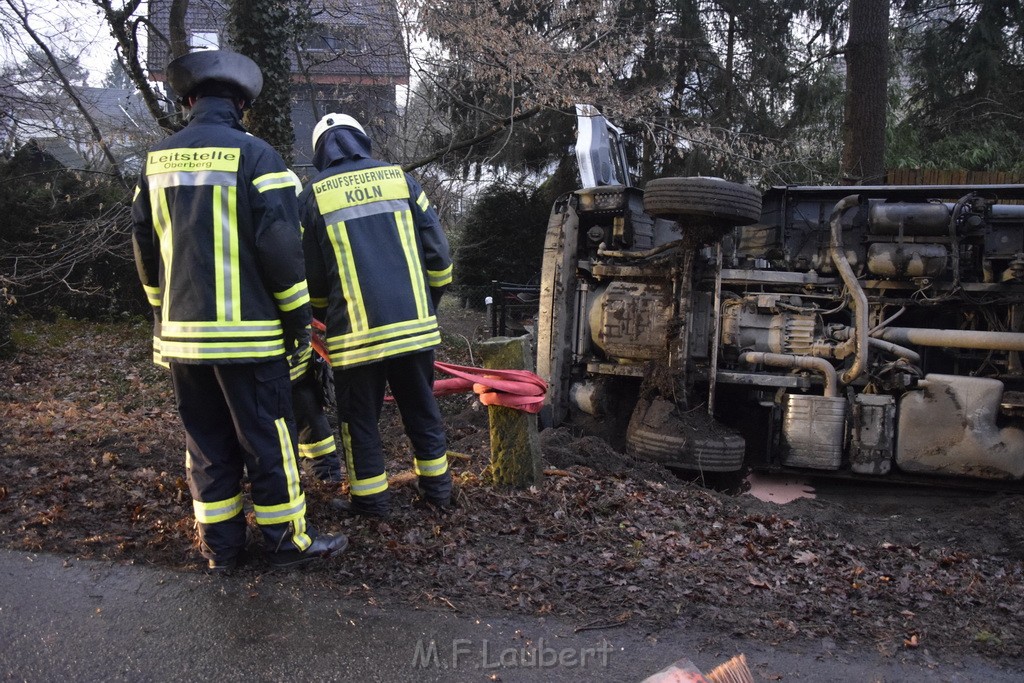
912 357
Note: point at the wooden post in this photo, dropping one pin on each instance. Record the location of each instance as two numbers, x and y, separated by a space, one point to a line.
515 442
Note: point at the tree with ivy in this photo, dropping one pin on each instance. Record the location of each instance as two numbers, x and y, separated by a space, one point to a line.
263 30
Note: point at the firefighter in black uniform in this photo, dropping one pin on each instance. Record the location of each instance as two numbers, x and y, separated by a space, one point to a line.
217 246
318 450
377 263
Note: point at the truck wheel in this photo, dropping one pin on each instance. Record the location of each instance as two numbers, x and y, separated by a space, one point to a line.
557 312
688 441
719 200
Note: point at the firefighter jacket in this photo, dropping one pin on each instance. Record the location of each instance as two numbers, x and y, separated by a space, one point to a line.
377 258
217 245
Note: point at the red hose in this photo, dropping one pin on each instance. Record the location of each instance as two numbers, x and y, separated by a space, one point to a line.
519 389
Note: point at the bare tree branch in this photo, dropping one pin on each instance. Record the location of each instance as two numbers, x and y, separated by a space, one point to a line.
462 144
124 28
23 17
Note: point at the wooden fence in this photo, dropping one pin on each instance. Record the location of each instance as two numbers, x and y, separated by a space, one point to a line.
927 176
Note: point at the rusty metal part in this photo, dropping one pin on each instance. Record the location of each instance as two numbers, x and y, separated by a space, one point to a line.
872 433
892 260
812 431
909 219
646 253
630 319
903 352
951 426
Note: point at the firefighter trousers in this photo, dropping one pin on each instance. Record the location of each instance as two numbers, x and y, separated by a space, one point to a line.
317 448
360 394
238 421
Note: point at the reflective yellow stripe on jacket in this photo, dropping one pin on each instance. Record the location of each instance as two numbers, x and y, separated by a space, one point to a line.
382 342
228 336
376 193
440 278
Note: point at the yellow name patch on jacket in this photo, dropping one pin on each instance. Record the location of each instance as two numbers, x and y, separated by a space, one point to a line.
193 159
360 187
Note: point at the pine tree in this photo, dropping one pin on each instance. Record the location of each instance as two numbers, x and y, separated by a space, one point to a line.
964 76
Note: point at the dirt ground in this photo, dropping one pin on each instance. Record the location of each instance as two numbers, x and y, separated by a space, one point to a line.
91 465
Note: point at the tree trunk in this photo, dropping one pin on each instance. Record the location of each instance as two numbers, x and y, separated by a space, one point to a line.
515 441
867 69
263 30
124 27
179 36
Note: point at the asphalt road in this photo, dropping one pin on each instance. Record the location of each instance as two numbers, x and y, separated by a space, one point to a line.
64 619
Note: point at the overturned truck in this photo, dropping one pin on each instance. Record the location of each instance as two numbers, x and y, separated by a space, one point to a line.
865 331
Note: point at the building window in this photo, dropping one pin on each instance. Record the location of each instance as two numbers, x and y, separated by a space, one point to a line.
339 41
204 40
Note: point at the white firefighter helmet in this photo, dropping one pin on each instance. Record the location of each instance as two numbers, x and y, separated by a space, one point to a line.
330 121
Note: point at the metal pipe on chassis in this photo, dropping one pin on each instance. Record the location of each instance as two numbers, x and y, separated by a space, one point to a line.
858 298
782 360
962 339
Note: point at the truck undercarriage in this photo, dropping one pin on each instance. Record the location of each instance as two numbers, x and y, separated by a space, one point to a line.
874 331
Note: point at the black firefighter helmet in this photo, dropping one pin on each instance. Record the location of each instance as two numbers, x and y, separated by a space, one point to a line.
186 73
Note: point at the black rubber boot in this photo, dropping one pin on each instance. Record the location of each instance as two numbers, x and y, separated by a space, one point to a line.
326 468
360 509
323 547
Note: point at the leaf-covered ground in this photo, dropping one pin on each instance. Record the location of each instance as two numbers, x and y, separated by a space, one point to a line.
92 466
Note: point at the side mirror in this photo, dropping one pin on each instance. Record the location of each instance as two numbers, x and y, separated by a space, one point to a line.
600 150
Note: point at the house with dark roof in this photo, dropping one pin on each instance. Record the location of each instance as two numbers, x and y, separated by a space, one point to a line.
55 127
124 120
350 61
50 154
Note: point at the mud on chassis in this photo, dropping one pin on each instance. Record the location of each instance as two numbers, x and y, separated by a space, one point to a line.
865 331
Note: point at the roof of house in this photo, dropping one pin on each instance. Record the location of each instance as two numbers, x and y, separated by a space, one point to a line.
55 125
116 108
59 151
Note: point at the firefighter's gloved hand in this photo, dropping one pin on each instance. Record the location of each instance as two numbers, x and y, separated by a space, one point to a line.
296 346
297 339
435 296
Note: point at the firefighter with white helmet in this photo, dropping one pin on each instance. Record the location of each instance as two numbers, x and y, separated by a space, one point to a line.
318 449
377 263
218 250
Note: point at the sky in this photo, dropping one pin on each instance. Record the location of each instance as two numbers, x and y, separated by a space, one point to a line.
76 25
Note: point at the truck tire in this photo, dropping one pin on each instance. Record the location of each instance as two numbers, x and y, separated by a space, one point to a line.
556 315
723 202
687 441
